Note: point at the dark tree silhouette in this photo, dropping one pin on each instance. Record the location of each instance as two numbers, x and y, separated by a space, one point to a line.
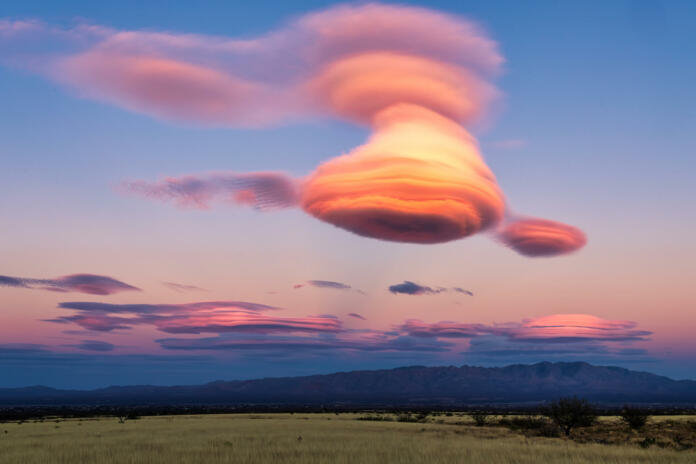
569 413
635 418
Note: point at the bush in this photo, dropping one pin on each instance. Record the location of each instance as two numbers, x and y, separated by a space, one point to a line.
569 413
125 415
375 418
634 417
647 442
530 425
405 417
408 417
480 418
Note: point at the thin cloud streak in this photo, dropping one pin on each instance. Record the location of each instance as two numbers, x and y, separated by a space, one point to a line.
328 284
91 284
411 288
183 287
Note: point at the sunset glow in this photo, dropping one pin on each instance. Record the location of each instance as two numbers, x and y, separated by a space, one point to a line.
285 190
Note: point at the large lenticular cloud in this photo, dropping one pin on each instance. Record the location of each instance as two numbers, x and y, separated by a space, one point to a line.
415 77
418 179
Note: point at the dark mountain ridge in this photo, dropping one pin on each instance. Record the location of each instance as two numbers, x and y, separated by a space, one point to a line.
415 385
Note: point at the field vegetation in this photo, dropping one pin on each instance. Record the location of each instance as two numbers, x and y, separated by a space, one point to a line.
372 437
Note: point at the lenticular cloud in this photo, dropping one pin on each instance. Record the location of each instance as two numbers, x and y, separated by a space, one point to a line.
541 237
418 179
415 77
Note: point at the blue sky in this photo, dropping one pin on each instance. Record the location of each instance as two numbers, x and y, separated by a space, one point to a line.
594 128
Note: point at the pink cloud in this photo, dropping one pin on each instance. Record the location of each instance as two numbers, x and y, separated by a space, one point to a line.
555 328
416 77
166 87
541 237
569 327
192 318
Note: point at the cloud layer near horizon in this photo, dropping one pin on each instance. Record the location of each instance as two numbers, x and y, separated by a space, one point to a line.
239 325
191 318
416 77
82 283
555 328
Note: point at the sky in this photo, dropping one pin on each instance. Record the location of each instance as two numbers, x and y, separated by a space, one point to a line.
200 191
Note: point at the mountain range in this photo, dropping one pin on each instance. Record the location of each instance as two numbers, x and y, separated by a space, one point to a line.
405 386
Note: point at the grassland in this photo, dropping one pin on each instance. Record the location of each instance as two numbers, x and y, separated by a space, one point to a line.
325 438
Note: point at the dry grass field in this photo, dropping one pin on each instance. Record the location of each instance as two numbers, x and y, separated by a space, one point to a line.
329 438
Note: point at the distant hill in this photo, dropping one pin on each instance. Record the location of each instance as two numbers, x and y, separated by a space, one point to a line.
417 385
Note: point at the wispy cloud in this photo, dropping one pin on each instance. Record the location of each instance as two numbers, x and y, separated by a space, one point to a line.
411 288
330 284
325 284
263 191
357 316
82 283
183 287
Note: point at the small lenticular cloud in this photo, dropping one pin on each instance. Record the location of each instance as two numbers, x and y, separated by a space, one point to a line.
576 327
541 237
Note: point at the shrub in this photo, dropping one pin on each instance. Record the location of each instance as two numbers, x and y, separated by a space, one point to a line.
408 417
376 418
536 425
634 417
569 413
125 415
647 442
480 418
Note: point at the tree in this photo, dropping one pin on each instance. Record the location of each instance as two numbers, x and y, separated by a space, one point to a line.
635 418
569 413
125 414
